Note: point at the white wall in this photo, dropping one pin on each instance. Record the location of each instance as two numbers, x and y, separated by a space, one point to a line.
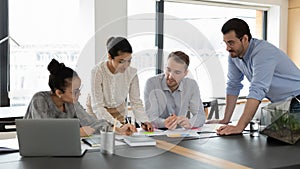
109 19
87 54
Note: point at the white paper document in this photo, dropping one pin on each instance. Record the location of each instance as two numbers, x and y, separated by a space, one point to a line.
206 129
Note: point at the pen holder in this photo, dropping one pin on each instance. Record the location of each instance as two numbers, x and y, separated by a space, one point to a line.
107 143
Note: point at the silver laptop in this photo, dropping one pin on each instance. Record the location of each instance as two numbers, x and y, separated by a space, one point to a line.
49 137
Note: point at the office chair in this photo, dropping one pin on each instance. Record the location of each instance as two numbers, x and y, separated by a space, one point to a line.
214 109
7 124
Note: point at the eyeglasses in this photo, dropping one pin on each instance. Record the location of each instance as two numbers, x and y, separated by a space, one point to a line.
231 43
76 92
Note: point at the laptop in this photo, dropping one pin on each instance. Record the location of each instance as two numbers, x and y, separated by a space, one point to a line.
49 137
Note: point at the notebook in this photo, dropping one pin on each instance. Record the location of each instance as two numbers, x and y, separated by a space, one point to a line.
139 141
92 141
49 137
95 140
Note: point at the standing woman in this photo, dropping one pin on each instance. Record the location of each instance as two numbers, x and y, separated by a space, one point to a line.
112 81
62 101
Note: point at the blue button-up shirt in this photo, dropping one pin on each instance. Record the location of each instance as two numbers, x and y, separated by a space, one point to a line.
161 102
270 71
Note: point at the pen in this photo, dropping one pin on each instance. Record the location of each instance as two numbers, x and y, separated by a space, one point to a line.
146 126
162 128
199 132
128 119
115 122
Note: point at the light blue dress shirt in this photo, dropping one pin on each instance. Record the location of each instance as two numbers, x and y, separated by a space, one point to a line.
161 102
270 71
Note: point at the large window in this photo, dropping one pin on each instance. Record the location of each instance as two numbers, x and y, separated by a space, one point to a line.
44 30
203 41
194 29
141 34
59 29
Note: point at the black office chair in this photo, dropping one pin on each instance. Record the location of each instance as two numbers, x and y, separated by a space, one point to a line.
7 124
214 109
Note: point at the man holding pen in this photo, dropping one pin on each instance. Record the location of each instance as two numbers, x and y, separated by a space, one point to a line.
170 96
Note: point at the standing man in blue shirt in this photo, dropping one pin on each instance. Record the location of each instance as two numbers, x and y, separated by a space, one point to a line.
269 70
170 96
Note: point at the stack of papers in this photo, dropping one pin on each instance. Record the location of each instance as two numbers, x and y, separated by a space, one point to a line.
139 141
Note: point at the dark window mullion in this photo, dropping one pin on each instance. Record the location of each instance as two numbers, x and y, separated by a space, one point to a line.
4 54
159 38
264 28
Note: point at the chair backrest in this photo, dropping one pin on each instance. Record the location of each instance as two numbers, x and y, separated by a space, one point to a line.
8 124
214 109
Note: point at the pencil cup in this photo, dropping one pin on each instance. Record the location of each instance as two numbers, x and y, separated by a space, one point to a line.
107 142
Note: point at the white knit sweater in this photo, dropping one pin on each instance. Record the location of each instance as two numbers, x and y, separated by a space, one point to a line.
110 90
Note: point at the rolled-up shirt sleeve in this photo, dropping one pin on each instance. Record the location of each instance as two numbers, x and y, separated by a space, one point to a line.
235 77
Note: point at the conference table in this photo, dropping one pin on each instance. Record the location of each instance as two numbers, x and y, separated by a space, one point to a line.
236 151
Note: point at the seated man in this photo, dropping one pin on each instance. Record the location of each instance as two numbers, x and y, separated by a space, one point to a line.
169 96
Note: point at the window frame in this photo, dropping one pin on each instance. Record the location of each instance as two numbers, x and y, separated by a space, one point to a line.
4 52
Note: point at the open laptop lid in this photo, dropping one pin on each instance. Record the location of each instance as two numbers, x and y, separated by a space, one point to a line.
49 137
